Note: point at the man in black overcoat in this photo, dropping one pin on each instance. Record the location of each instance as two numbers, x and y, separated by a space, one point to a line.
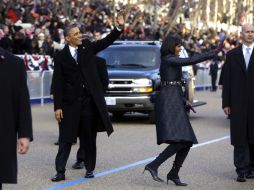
15 115
103 76
79 102
238 101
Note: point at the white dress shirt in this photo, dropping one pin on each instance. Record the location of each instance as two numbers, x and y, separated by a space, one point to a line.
244 49
72 50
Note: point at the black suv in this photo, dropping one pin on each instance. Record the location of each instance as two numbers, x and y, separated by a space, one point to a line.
134 78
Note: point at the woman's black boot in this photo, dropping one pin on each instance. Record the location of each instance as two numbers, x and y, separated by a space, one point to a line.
153 172
173 176
154 165
179 159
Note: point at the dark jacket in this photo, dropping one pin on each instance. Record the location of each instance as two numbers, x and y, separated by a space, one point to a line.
214 68
68 78
102 71
238 94
15 113
172 122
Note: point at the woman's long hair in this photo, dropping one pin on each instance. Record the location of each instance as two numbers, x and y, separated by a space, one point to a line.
169 44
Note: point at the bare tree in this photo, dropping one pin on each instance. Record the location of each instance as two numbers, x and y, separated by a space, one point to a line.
175 8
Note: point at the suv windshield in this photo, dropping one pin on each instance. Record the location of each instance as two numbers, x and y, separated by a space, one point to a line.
131 56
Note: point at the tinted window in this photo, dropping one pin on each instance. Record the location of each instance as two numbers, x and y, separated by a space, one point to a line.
131 56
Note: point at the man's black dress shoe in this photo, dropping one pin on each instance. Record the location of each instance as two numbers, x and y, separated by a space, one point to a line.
58 177
89 175
78 165
241 177
250 174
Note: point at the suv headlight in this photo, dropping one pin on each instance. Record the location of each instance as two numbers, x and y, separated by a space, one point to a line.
143 90
144 85
143 82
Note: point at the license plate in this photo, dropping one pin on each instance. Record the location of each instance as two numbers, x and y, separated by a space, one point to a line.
110 101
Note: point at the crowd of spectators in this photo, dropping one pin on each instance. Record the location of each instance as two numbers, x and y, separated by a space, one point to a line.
36 26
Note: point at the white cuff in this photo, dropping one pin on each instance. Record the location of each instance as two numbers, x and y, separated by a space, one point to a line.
119 29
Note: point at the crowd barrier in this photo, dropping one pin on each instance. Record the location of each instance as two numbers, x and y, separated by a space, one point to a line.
203 79
39 83
39 86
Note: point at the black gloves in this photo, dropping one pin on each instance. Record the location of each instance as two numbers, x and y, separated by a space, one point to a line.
219 47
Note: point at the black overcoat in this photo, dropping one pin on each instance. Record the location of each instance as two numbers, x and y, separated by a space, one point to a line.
172 122
15 113
67 88
102 71
221 75
238 94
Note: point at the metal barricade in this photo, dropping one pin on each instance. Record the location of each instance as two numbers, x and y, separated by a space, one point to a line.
203 79
34 84
45 85
39 85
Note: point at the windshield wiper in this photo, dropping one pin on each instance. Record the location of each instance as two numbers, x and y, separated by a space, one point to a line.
133 65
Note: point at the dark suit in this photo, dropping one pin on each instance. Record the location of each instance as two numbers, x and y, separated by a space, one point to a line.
79 92
103 75
15 113
238 94
214 72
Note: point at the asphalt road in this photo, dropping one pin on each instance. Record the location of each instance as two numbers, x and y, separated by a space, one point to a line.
122 157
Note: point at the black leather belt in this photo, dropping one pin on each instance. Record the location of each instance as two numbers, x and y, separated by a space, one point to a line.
170 83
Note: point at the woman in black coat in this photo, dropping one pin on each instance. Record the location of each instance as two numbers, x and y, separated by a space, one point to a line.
172 123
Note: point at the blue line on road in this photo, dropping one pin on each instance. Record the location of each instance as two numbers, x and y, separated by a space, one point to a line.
126 167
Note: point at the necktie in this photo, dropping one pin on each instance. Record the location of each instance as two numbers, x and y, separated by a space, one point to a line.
75 56
247 57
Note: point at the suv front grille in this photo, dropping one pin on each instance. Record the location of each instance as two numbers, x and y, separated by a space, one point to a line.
117 86
120 90
120 82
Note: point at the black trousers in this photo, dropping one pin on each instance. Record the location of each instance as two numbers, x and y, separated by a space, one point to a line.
87 136
62 156
81 151
214 79
88 142
181 149
244 158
